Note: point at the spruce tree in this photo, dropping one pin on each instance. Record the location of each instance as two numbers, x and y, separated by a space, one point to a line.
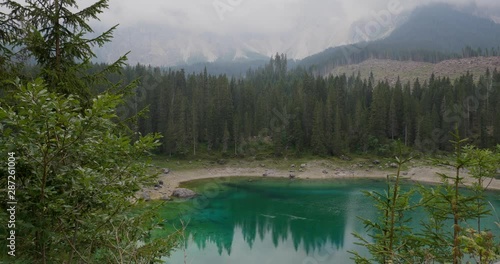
56 34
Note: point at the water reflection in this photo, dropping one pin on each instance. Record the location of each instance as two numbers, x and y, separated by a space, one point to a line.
292 223
276 221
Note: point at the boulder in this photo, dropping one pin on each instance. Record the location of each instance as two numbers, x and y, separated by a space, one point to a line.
291 176
302 166
146 196
376 162
293 166
166 171
183 193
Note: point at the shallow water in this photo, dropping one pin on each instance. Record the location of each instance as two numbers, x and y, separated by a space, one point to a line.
256 220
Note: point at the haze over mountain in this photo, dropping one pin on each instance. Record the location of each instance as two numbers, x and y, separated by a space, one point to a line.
167 34
429 34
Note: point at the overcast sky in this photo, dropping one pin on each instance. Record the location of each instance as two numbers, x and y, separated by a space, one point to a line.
260 20
257 16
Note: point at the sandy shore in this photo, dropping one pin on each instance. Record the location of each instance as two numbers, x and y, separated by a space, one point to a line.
312 170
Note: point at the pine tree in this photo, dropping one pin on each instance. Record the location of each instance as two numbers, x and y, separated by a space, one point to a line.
56 34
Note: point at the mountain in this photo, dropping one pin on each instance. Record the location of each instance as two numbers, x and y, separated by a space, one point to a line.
431 33
163 46
153 45
443 28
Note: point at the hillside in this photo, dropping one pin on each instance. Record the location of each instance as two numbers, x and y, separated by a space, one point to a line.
432 34
411 70
442 28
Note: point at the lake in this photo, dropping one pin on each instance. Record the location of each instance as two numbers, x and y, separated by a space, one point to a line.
269 220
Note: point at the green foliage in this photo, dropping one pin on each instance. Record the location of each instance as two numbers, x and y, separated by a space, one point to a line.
57 35
392 238
76 180
437 241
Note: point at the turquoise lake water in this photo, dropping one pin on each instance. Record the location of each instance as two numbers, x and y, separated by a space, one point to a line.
257 220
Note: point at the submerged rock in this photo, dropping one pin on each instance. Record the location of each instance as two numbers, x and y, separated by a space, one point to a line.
183 193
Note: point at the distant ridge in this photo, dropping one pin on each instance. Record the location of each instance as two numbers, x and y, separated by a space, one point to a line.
432 33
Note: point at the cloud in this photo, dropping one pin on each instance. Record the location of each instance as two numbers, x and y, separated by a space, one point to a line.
297 27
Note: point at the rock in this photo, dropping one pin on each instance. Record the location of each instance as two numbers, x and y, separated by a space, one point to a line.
291 171
325 172
157 186
190 162
376 162
344 157
302 166
393 165
166 171
291 176
183 193
405 173
262 165
265 174
160 182
166 198
293 166
178 163
370 166
146 196
301 170
222 161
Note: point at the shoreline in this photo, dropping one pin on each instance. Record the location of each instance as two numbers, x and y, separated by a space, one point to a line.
312 171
